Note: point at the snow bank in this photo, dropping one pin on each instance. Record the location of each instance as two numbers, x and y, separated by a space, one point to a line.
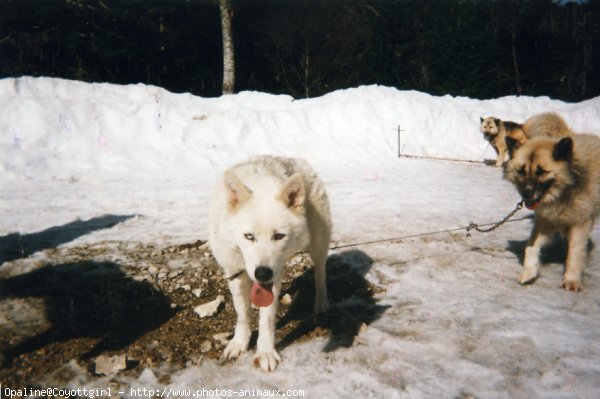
52 128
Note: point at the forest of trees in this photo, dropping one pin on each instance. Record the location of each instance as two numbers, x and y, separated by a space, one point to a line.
305 48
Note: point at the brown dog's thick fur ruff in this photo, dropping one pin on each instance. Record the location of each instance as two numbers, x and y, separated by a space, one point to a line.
560 180
547 124
506 137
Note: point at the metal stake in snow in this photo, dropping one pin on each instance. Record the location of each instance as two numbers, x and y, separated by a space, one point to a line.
399 142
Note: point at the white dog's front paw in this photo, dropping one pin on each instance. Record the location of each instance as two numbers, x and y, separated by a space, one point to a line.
267 359
528 275
235 348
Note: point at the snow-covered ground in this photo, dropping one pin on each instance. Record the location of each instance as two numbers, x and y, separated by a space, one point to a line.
454 323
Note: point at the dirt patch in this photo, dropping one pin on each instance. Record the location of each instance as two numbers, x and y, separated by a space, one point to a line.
138 300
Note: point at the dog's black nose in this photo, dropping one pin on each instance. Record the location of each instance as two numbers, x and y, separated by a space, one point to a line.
263 274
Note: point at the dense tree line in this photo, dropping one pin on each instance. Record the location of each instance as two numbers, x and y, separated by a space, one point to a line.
475 48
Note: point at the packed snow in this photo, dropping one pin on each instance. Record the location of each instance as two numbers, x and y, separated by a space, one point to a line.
454 322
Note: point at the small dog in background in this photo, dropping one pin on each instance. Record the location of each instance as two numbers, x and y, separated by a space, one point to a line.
496 132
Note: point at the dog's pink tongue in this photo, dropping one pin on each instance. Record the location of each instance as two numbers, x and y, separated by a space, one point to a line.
261 295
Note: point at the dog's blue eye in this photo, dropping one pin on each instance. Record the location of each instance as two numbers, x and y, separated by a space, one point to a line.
249 236
278 236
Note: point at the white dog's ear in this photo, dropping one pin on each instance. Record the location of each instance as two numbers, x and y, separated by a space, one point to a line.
237 192
293 193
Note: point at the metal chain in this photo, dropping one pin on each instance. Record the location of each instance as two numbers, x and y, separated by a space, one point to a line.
475 226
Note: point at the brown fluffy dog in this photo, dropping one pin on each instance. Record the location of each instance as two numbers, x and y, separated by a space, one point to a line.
560 180
548 124
497 131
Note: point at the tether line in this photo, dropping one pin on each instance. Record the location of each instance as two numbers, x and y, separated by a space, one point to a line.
466 228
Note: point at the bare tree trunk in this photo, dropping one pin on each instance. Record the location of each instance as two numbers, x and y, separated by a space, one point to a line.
516 64
515 59
228 55
306 66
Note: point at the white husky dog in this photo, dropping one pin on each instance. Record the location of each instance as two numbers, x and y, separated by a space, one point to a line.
262 213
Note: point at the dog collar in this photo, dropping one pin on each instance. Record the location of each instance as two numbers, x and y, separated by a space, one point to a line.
235 275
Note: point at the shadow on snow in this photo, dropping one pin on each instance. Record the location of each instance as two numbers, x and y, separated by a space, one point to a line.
351 301
16 246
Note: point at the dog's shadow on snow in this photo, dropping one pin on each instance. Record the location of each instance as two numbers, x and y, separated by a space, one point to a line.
351 302
15 245
554 252
85 300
